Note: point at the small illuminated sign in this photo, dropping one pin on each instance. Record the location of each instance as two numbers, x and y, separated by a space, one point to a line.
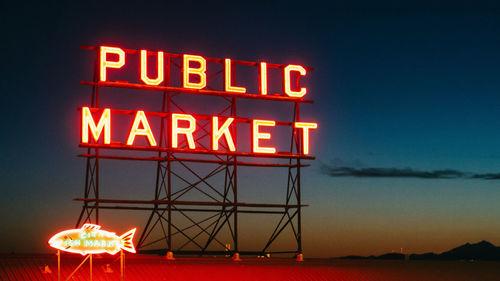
90 239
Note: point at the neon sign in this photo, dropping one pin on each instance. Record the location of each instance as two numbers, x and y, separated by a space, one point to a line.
140 120
96 122
91 239
194 65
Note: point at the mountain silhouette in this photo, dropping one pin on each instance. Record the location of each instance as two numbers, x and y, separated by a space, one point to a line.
483 250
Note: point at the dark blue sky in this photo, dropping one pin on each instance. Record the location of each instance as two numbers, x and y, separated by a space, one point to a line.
413 85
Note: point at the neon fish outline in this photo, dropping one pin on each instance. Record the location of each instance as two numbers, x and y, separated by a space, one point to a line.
91 239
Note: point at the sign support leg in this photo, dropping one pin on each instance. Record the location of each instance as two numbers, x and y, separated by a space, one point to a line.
80 265
58 265
122 265
90 267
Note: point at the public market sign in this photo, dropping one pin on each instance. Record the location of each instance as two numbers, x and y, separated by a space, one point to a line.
96 123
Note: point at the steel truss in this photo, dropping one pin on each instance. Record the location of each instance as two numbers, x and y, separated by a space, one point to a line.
180 225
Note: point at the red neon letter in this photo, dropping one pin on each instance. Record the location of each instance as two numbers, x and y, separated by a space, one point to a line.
88 123
200 71
305 126
263 78
184 131
288 87
140 119
144 69
223 130
227 81
256 136
110 64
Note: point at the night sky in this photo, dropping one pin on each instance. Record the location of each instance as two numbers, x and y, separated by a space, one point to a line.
407 98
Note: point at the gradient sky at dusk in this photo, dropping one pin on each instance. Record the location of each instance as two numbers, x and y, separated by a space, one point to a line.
405 87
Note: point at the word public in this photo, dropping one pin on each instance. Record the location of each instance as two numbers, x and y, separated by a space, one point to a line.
189 72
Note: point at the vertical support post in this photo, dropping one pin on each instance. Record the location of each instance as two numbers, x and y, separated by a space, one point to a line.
169 163
90 267
96 190
58 265
96 100
235 170
299 210
122 265
298 141
95 103
235 177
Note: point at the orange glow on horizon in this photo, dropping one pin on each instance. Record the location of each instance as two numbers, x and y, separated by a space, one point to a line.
227 81
263 78
305 126
223 130
200 71
140 119
188 132
287 83
257 135
104 63
144 69
88 123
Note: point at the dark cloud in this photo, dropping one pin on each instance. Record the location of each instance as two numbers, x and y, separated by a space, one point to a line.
494 176
343 171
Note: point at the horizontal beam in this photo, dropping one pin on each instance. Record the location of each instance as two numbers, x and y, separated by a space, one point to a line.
176 159
216 60
196 116
190 203
119 146
184 209
242 253
122 84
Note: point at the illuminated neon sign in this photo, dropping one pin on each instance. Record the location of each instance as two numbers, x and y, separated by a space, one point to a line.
91 239
196 66
217 131
96 122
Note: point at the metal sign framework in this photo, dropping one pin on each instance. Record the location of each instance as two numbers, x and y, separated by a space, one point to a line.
219 212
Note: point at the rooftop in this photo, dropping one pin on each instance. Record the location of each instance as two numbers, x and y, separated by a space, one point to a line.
143 267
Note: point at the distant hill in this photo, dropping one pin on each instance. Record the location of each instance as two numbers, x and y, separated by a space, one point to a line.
483 250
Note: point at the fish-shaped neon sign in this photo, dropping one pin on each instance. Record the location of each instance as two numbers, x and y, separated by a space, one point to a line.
90 239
